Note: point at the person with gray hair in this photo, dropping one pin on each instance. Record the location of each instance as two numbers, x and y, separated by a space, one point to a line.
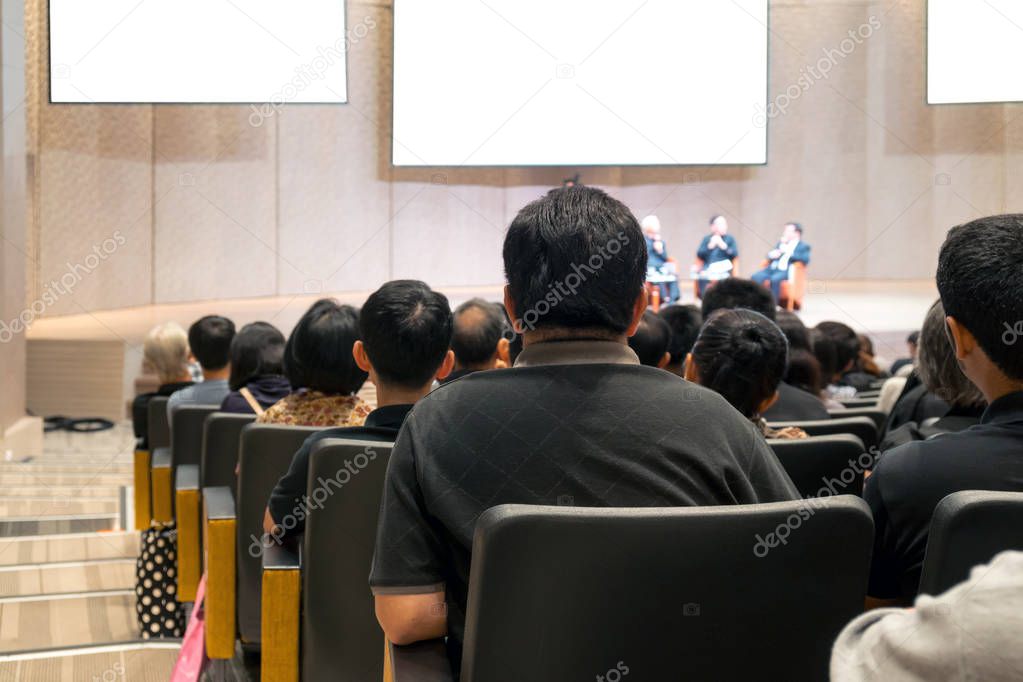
165 352
944 400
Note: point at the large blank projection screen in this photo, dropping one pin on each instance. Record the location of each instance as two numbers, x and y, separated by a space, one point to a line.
258 51
974 51
578 82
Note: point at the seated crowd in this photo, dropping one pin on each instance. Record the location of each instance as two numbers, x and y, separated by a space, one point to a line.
592 398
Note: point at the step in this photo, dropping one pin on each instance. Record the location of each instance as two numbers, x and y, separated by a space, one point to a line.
142 662
8 480
56 524
67 577
28 623
68 547
59 505
47 492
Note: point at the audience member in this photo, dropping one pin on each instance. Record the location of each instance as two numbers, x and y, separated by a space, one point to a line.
257 378
799 393
319 366
478 340
790 249
981 287
868 362
898 366
406 331
209 339
742 355
971 632
944 393
684 321
847 354
651 341
717 253
736 292
165 351
578 421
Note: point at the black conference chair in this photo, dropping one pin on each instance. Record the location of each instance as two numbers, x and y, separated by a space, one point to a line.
824 464
863 428
233 547
879 417
969 528
161 483
186 450
702 593
221 437
337 632
859 401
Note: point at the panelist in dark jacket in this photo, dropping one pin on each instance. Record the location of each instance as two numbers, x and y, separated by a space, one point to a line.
717 251
790 249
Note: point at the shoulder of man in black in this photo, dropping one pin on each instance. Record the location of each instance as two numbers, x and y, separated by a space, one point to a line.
795 404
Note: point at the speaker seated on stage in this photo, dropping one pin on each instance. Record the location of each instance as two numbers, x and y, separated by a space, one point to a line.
716 255
660 267
791 249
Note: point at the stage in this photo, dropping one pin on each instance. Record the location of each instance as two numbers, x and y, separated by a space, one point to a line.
88 364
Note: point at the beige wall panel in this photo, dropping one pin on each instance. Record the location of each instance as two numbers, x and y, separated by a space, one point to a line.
216 204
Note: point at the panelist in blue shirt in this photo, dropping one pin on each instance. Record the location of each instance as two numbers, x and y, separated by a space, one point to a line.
790 249
717 251
660 267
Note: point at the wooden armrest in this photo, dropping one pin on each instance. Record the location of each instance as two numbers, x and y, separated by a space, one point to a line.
187 504
162 495
220 523
279 617
143 490
420 662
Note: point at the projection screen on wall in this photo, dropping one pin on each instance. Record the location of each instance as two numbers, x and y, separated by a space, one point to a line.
245 51
974 51
578 82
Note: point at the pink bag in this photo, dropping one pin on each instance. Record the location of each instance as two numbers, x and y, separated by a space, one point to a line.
192 658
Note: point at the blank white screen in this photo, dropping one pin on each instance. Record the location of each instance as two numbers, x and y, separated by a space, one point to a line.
579 82
197 51
974 51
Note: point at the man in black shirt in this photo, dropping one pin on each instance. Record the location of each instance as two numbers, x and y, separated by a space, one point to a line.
406 331
478 341
578 421
981 285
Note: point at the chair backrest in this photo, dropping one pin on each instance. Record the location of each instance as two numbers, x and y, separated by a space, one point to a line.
221 436
879 417
863 428
340 635
969 528
822 466
186 433
701 593
859 401
264 455
159 430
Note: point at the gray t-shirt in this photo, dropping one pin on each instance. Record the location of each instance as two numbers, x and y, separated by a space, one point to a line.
971 632
210 392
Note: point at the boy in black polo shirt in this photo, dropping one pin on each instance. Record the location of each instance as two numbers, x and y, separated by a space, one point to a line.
980 278
577 421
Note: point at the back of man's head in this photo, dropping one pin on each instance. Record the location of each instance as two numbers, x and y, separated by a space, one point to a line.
980 279
651 340
847 343
478 329
406 330
209 339
575 259
735 292
684 322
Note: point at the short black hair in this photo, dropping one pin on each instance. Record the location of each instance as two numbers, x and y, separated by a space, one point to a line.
478 328
685 322
913 338
980 279
804 371
575 258
318 354
793 329
797 226
209 339
256 351
651 340
742 355
406 329
847 344
826 351
736 292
